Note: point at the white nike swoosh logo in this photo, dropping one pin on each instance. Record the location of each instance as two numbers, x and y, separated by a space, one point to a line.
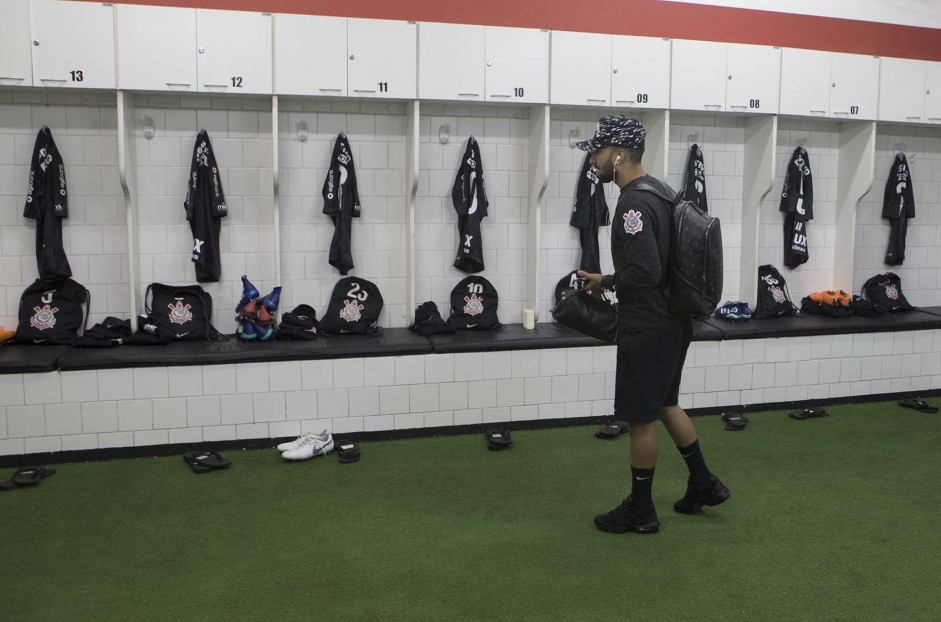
688 455
640 479
471 325
178 335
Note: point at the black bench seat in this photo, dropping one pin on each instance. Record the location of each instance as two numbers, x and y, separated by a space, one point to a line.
29 359
404 341
392 342
809 325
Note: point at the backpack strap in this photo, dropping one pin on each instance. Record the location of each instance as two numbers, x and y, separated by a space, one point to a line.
148 299
654 190
87 309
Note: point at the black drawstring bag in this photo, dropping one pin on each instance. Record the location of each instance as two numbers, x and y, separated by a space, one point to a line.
474 302
885 290
773 299
178 313
301 323
52 311
354 309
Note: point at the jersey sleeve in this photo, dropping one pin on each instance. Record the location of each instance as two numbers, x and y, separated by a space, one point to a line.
637 247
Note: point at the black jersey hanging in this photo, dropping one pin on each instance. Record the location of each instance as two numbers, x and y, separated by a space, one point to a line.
898 206
470 202
797 203
589 213
694 184
205 207
47 204
341 203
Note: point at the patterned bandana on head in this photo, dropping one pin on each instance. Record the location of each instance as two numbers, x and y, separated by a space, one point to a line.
616 132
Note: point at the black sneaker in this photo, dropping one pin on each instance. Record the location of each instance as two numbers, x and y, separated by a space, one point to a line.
712 493
628 517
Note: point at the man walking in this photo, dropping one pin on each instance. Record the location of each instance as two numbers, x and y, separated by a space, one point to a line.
652 343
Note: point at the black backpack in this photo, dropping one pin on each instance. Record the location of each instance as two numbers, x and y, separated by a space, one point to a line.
773 299
178 313
695 257
52 311
354 309
474 305
885 290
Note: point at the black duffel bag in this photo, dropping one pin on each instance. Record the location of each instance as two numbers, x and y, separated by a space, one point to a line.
179 312
589 313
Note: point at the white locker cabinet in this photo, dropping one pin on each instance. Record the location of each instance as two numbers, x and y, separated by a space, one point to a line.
156 48
933 93
517 65
698 76
15 65
580 69
451 61
310 55
902 90
855 86
73 44
754 78
805 82
640 72
234 51
382 58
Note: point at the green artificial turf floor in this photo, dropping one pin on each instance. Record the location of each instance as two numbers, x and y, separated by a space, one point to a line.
830 519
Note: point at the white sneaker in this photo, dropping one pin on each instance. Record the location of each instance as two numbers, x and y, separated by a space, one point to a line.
312 445
299 441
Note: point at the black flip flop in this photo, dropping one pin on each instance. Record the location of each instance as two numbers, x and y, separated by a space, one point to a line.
498 439
205 461
734 421
347 452
808 413
919 405
27 476
612 429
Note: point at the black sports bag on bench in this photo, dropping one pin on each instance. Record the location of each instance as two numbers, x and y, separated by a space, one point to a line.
52 311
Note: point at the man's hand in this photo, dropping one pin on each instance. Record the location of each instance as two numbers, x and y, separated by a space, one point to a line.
592 280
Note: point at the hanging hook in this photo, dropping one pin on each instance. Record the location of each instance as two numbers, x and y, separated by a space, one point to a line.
802 141
444 134
693 139
302 131
573 137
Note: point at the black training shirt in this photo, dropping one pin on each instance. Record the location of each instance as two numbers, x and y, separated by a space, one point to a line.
640 248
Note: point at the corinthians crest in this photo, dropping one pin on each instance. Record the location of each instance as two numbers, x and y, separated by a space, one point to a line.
474 305
632 222
891 291
351 311
179 313
45 317
777 293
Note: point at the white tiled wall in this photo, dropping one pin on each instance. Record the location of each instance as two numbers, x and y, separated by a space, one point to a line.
153 406
921 277
94 235
503 136
376 131
239 130
822 141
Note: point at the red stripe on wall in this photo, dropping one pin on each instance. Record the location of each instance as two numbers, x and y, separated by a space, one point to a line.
627 17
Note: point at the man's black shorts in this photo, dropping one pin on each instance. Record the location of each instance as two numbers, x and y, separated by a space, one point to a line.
649 368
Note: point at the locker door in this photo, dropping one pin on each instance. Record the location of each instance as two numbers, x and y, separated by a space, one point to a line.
698 77
15 64
580 69
754 79
142 31
902 86
383 59
855 86
234 51
517 65
310 55
640 72
451 62
933 93
73 44
805 82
